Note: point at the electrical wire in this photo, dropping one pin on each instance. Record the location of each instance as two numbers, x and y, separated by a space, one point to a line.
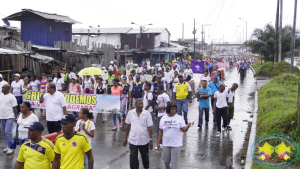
224 17
214 25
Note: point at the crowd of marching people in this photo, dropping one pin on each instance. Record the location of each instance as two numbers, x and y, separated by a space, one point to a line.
162 91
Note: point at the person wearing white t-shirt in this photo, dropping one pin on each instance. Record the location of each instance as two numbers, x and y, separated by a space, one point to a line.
55 107
230 101
8 114
204 77
162 101
26 118
86 126
15 89
220 107
171 127
58 81
2 82
148 97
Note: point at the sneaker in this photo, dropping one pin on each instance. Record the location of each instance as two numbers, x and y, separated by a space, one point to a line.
10 151
120 124
200 126
218 134
229 128
5 150
115 128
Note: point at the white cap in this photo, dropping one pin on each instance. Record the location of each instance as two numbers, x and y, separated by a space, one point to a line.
17 75
135 65
103 68
74 77
105 71
111 62
1 76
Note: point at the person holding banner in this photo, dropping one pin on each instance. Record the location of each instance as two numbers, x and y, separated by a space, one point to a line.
55 107
74 88
116 90
100 88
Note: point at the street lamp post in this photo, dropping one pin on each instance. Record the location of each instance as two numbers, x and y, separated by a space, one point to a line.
202 37
246 30
141 29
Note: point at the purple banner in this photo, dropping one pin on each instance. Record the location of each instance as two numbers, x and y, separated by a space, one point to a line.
197 67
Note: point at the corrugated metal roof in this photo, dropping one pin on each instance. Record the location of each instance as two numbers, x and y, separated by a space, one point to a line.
147 30
40 47
51 16
5 51
42 58
102 30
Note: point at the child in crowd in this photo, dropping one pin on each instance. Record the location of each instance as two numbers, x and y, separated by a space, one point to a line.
86 126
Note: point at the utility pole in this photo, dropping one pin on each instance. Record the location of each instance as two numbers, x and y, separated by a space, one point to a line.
293 40
88 44
194 32
203 43
276 30
182 32
280 33
202 40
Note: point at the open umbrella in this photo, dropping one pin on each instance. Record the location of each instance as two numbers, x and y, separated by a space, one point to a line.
91 71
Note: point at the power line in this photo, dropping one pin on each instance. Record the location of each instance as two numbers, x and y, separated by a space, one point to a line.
212 13
225 16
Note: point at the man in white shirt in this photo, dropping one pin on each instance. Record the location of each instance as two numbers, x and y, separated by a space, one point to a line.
55 107
2 82
220 107
8 114
148 97
139 128
162 101
230 101
168 79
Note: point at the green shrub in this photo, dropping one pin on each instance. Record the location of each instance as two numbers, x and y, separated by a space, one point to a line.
270 109
271 69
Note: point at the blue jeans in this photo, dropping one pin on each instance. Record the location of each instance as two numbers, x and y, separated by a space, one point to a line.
115 118
212 108
206 111
21 141
7 125
182 106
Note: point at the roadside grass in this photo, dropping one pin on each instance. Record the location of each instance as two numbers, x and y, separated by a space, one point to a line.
271 97
256 67
271 69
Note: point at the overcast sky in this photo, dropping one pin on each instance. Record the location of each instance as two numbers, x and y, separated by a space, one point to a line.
223 15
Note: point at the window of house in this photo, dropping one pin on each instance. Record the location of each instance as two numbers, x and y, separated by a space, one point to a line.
67 31
52 29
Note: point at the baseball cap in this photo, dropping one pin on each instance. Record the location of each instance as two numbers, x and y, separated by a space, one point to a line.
137 76
100 78
105 71
159 77
74 77
111 62
36 126
43 74
180 76
49 78
17 75
1 76
64 69
215 76
69 118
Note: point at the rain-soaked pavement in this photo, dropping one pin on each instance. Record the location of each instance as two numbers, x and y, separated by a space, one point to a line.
201 148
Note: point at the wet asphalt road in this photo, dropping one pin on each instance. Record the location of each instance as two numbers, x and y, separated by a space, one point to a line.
201 148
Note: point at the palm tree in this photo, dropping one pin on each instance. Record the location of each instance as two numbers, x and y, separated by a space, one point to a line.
263 42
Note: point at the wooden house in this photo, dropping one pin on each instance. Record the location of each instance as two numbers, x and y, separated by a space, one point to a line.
43 28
